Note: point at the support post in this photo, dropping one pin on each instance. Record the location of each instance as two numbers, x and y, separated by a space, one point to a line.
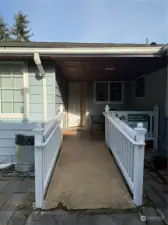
61 108
38 154
156 126
139 164
61 111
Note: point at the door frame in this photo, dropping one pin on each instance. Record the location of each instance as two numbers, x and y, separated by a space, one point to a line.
83 104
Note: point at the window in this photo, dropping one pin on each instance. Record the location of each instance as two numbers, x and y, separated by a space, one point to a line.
11 88
140 87
115 92
108 92
102 92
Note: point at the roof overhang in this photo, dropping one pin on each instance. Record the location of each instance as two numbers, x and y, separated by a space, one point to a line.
147 51
165 49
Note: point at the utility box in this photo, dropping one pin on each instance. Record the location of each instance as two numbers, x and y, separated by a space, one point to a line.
24 152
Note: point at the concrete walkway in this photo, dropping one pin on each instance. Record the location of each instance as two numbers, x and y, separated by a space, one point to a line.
63 218
86 176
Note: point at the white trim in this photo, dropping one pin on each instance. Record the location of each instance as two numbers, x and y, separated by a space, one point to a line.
82 50
11 116
45 99
26 95
54 92
108 102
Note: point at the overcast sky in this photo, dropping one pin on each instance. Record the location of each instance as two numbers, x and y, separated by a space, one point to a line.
120 21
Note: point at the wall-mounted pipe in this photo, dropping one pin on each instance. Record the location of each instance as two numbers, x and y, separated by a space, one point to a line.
38 63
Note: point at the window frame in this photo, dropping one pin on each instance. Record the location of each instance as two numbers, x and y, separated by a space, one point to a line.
135 91
25 114
109 102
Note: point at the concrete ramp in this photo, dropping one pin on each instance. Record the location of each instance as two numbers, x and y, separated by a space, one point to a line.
86 176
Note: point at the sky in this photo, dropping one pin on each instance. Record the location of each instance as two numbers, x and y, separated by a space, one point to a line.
109 21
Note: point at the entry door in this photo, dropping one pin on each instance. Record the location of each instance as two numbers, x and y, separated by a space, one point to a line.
74 98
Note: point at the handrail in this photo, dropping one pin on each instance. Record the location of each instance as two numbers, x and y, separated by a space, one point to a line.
122 131
50 126
127 151
125 127
48 139
46 153
151 124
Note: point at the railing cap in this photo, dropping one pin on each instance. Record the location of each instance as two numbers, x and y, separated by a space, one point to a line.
140 128
107 108
140 125
39 128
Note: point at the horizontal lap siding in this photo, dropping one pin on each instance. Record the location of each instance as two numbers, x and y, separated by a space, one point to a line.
35 84
50 82
36 100
10 127
58 97
155 94
7 139
61 94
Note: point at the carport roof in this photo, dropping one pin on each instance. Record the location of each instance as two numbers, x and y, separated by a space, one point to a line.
58 49
71 45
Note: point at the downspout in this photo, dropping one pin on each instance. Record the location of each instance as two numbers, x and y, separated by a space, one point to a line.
42 73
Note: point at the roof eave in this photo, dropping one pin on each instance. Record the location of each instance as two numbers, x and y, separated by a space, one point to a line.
83 51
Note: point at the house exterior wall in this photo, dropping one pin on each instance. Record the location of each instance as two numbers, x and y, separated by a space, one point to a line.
96 108
7 139
61 94
50 85
36 89
10 126
155 94
35 92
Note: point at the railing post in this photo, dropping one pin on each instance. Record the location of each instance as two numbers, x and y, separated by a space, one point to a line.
107 108
139 164
38 154
156 126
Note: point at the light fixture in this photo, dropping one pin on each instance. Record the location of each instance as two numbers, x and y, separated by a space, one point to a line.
109 68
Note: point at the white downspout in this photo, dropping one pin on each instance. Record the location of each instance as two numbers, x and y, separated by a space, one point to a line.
43 74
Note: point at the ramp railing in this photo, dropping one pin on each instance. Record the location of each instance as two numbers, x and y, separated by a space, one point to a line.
127 146
47 145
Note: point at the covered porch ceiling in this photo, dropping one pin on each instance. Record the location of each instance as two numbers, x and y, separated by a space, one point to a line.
92 61
108 68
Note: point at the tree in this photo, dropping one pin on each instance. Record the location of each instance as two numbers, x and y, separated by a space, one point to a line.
20 30
4 31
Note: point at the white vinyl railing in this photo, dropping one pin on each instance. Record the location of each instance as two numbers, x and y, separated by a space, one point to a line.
47 145
127 147
151 121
